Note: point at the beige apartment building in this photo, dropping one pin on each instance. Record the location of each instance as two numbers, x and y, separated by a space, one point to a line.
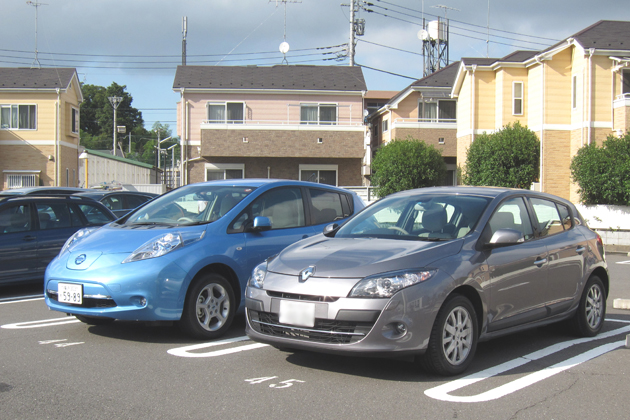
39 126
425 111
572 94
291 122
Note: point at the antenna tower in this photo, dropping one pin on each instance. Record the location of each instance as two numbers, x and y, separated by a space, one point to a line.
435 39
284 46
184 33
36 5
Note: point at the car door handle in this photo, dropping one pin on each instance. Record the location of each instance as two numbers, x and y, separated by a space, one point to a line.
580 249
29 238
540 261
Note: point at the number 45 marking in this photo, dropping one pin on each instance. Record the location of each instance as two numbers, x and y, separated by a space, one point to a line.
282 384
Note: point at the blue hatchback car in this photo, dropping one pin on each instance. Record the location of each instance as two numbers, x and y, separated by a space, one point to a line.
186 256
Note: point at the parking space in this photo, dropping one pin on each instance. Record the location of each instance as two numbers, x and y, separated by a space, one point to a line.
56 367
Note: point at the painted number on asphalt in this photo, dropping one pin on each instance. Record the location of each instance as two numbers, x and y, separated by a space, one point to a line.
282 384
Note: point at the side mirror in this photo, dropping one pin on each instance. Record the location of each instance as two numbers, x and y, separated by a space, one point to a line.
261 224
330 230
505 237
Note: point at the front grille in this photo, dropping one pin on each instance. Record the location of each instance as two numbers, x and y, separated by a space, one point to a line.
325 330
310 298
87 301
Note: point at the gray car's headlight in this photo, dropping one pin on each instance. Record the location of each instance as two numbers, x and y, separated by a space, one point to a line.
386 284
164 244
257 278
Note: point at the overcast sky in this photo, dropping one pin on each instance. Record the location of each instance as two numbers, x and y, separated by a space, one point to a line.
138 43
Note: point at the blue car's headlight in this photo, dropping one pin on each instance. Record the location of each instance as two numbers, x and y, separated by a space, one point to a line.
386 284
164 244
78 236
257 278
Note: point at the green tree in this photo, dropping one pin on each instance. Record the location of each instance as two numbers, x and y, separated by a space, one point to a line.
508 158
603 173
406 164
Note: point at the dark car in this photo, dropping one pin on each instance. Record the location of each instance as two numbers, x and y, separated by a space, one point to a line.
34 228
119 202
43 191
430 272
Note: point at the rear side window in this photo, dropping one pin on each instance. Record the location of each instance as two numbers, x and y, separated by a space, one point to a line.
327 206
549 220
56 216
134 201
94 215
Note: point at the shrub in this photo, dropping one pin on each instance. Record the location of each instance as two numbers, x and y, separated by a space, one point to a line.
603 173
406 164
508 158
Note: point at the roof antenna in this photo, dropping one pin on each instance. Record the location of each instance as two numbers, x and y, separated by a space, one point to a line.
184 33
36 5
284 46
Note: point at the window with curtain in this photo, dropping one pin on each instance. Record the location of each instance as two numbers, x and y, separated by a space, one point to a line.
517 98
21 117
308 114
226 112
429 111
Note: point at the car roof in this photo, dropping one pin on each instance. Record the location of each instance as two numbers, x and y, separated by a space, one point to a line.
43 190
70 197
103 193
260 182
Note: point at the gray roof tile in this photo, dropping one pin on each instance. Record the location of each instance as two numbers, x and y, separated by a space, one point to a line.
43 78
333 78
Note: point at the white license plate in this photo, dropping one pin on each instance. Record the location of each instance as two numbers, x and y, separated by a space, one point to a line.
300 314
70 293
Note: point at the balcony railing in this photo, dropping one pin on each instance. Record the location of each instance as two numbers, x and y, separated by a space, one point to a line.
425 120
249 123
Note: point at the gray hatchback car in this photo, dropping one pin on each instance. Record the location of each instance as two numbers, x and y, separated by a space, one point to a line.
430 272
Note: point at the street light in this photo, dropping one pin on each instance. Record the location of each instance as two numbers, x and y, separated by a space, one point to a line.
115 101
158 147
172 149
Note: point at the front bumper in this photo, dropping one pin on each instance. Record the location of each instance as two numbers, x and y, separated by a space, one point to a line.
149 290
369 327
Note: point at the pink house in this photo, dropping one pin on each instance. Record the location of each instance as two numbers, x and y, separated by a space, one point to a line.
290 122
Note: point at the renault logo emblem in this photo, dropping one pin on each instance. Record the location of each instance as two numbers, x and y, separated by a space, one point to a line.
80 259
306 273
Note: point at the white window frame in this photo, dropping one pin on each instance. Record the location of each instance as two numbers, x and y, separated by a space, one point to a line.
74 120
315 167
225 112
385 126
21 178
222 167
319 105
516 99
11 107
574 92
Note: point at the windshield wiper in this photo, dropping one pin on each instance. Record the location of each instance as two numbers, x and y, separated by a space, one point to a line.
151 224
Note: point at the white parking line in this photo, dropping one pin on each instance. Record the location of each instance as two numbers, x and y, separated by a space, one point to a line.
623 262
6 301
185 351
442 392
41 323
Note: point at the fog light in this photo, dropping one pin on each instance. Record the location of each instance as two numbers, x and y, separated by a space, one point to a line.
400 328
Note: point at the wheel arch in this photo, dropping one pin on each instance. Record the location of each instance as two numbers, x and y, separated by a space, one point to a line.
227 272
472 295
603 276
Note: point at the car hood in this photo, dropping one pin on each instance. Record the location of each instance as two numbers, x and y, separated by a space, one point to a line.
123 239
357 258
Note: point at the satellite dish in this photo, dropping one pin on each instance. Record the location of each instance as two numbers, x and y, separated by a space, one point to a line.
284 47
366 112
423 34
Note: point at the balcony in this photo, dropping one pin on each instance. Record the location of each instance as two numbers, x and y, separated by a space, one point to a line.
425 123
293 125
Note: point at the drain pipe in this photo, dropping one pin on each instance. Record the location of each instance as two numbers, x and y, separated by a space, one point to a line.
472 103
540 60
591 51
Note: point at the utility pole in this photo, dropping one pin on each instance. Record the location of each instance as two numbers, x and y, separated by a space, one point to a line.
115 101
36 5
351 46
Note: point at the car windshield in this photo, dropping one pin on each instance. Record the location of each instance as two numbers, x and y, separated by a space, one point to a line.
428 217
195 204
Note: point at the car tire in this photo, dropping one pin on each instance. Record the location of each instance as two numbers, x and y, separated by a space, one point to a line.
209 307
589 318
453 339
94 320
